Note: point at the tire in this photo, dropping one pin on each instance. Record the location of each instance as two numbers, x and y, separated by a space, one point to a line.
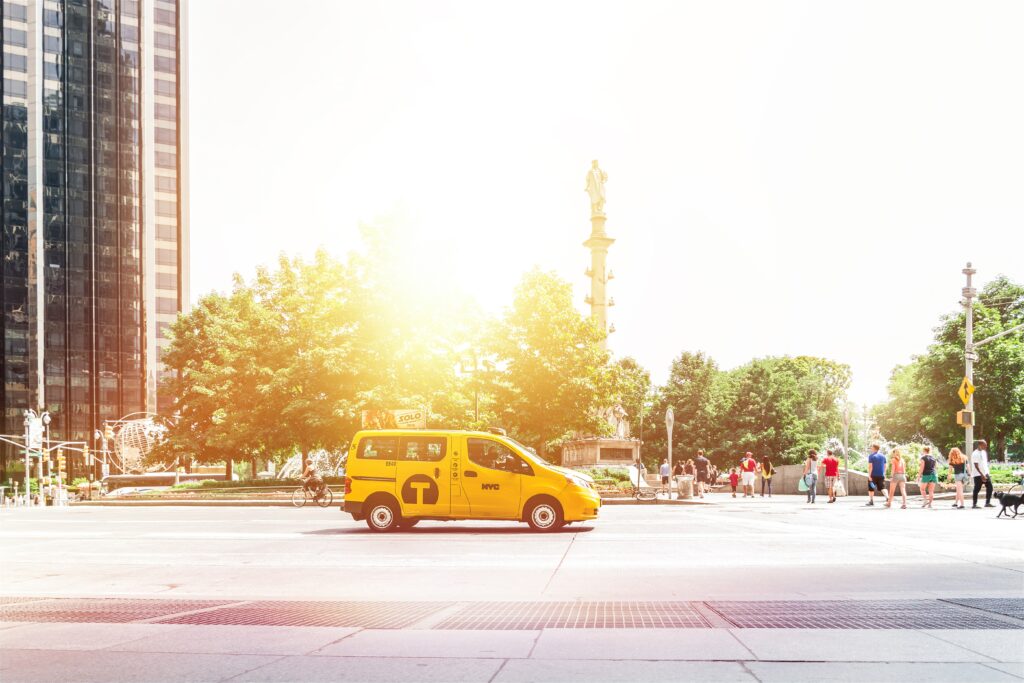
408 523
325 499
382 516
299 497
648 494
544 515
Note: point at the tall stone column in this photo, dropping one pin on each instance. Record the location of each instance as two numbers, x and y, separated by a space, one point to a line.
598 244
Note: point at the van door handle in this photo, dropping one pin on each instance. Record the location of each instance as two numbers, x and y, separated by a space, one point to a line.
437 472
469 473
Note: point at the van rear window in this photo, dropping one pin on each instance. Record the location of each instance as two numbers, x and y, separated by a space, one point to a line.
378 448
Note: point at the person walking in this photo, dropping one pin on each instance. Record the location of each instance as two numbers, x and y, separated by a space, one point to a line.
958 475
734 480
979 468
927 477
767 472
748 468
665 472
898 476
702 467
811 474
876 472
830 464
677 472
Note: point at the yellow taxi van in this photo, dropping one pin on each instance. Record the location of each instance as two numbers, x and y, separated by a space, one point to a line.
394 478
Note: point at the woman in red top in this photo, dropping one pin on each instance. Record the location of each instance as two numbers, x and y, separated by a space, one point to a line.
831 466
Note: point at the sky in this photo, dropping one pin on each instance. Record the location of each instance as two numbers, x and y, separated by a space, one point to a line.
801 178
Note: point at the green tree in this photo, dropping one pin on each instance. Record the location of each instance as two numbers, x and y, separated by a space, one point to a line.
923 400
692 392
555 376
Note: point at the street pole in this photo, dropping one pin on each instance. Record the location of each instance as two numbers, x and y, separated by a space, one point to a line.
846 447
28 465
968 302
669 420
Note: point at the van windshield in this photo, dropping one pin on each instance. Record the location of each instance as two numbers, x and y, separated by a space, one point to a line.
527 451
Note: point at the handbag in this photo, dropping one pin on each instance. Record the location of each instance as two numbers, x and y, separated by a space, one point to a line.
802 485
838 489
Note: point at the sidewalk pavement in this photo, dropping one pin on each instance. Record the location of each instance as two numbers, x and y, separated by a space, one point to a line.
47 652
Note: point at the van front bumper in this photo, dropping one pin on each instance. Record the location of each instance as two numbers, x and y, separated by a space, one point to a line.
582 506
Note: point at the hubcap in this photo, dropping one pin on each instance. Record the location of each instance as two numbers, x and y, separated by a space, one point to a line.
543 515
381 516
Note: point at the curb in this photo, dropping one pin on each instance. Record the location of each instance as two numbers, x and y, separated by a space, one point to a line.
186 503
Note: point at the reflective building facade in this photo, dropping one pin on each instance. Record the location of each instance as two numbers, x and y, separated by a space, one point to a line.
94 246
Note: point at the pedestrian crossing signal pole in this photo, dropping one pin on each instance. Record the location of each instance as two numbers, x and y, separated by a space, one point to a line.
669 420
969 356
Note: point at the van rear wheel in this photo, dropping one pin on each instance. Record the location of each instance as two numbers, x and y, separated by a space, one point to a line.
382 516
544 515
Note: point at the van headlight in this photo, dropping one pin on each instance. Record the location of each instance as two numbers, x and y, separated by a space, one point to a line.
580 483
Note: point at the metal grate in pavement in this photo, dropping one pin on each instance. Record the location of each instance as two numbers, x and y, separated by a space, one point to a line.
853 614
1008 607
99 610
308 613
516 616
9 600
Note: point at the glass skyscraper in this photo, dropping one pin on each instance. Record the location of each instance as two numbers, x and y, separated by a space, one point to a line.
94 248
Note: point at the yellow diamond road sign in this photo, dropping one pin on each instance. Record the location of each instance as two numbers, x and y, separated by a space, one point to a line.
965 391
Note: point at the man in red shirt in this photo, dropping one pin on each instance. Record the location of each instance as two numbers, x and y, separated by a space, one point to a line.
748 468
831 465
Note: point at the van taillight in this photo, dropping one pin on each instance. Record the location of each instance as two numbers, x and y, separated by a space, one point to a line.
348 484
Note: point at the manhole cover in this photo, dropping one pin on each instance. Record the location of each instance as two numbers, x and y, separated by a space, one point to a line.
99 610
853 614
308 613
538 615
1008 607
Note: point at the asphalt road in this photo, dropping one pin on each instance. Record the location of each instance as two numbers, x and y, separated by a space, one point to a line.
199 559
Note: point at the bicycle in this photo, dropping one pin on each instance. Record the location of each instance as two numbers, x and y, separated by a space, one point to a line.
321 496
642 492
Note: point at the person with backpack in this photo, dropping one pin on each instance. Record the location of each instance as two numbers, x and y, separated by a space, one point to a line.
927 477
831 466
767 472
748 468
876 472
811 475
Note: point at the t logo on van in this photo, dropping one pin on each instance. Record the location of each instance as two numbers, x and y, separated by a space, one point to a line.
419 489
492 487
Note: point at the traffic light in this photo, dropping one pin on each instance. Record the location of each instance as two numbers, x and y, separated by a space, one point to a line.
108 432
61 463
86 456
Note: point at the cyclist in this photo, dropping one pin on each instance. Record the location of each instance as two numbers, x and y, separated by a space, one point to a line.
311 480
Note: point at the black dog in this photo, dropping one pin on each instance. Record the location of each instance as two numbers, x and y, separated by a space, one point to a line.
1009 500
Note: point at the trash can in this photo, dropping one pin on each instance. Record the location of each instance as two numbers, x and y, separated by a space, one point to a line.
685 486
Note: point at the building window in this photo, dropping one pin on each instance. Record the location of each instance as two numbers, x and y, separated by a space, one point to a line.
167 281
166 136
13 36
167 65
15 62
165 41
16 12
166 112
167 232
15 88
166 88
166 257
165 305
166 209
165 184
164 17
166 160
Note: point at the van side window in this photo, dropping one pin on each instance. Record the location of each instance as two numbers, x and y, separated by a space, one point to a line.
422 448
496 456
378 448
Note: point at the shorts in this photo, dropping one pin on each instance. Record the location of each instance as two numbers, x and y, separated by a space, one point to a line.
830 482
703 478
899 477
963 477
747 478
929 478
664 479
879 483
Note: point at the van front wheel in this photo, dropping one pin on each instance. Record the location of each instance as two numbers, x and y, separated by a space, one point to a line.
544 515
382 516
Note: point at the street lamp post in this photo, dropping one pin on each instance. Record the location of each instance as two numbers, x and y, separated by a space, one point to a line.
45 417
846 447
669 420
30 415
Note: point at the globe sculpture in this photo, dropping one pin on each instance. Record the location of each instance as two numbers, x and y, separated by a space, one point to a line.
133 443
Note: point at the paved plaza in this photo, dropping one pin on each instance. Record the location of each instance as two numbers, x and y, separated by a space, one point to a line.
755 590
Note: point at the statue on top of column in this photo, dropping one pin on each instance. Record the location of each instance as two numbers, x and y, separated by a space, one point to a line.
596 178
